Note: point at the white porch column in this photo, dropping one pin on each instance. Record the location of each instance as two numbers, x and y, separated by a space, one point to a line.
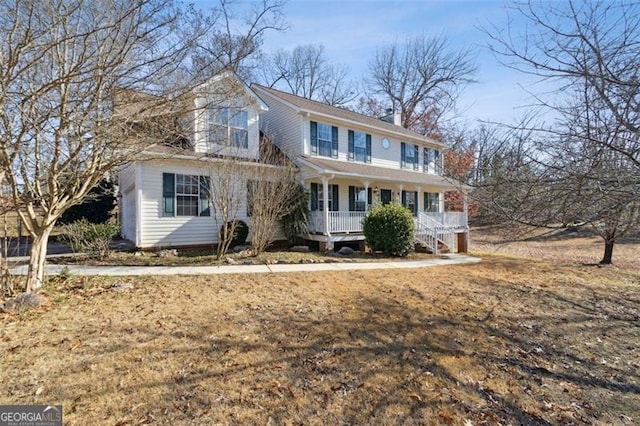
399 200
325 204
441 203
366 191
420 200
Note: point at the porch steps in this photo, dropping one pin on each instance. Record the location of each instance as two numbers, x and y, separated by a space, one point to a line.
435 237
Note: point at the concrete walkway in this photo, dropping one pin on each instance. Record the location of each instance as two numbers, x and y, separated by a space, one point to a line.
450 259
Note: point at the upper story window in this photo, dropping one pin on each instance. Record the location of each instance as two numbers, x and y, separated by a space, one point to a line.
409 155
185 195
324 140
359 146
432 161
229 126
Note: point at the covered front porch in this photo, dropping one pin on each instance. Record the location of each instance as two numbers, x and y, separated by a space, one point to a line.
341 199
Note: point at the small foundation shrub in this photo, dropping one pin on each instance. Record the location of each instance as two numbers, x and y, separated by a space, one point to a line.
92 239
390 229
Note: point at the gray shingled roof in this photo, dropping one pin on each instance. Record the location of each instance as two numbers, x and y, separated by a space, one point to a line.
311 106
374 173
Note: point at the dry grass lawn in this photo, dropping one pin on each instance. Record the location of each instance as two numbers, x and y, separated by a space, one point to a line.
506 341
580 246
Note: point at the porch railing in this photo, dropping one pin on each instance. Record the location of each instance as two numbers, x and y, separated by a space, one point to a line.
441 225
449 219
340 221
432 233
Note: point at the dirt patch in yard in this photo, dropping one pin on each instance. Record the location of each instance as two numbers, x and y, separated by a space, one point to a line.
509 340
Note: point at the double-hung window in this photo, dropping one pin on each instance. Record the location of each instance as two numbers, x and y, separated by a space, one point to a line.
229 126
324 140
317 197
437 161
359 146
359 198
431 202
432 161
410 201
409 156
185 195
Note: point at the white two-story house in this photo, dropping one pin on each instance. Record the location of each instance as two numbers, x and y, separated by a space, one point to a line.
349 161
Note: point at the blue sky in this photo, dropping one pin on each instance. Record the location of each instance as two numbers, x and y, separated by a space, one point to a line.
351 30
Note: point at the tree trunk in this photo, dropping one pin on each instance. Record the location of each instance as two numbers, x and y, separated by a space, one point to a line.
608 252
37 258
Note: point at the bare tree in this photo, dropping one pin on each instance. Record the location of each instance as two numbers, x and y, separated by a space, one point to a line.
68 74
305 72
226 181
422 76
586 160
271 188
6 281
231 40
541 179
593 46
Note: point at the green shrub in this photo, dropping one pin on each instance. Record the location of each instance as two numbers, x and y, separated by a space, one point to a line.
240 234
294 223
390 229
90 238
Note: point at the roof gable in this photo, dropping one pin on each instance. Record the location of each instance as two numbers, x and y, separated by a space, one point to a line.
237 86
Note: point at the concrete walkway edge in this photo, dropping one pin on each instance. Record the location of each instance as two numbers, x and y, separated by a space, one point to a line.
451 259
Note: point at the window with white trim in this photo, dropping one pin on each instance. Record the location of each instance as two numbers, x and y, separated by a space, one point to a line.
229 126
432 161
324 140
359 199
409 199
431 201
317 197
409 155
185 195
321 198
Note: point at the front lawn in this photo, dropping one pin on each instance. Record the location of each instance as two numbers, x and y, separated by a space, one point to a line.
509 340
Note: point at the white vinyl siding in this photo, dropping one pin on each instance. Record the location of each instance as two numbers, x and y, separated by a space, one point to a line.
291 131
159 231
379 157
283 126
127 186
